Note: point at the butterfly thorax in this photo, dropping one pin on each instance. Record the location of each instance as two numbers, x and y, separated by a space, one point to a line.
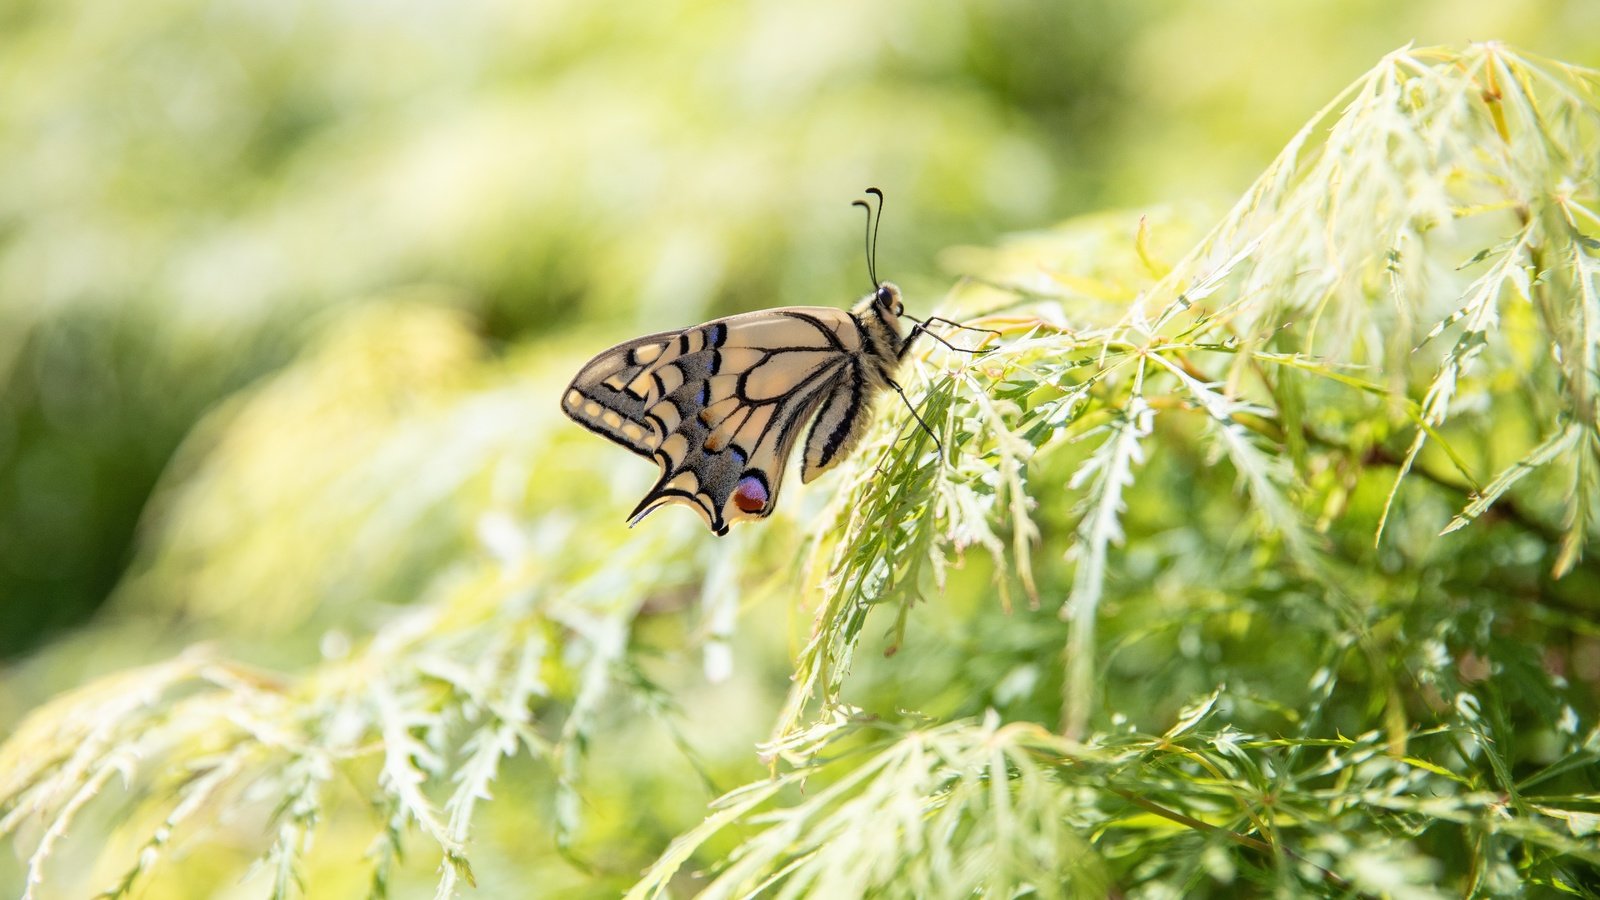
877 318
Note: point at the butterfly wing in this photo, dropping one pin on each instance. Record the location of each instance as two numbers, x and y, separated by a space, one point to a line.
718 406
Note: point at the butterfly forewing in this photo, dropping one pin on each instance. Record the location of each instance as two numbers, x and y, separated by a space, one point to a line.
720 406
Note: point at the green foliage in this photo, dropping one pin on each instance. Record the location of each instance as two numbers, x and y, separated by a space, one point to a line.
1295 342
1000 810
1423 276
1290 527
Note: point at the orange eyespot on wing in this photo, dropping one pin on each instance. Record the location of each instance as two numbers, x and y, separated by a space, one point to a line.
751 494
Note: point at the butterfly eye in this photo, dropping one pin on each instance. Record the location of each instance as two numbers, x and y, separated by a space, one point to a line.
751 494
885 297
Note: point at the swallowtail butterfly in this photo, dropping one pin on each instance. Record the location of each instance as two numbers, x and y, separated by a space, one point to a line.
719 406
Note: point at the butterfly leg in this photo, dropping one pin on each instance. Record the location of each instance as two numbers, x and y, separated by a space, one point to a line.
922 328
918 330
931 319
915 415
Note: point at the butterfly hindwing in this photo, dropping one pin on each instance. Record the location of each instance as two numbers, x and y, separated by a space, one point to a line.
720 406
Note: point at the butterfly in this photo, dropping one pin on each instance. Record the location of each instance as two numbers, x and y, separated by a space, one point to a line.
720 406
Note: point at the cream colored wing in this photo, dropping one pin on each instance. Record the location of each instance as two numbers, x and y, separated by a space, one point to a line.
718 406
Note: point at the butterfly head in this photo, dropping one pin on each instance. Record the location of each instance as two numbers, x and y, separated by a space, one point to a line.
888 296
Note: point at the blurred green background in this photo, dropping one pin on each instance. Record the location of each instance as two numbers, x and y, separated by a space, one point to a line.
190 187
193 194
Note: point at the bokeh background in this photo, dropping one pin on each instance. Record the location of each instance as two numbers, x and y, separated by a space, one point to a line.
388 199
190 189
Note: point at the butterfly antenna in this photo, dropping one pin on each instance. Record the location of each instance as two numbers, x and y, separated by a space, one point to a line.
872 258
872 268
